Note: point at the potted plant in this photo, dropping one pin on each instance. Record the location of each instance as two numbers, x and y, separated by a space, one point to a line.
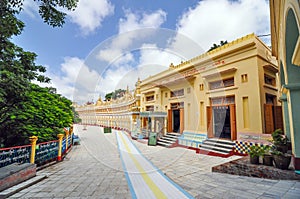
267 156
280 141
279 150
282 160
255 152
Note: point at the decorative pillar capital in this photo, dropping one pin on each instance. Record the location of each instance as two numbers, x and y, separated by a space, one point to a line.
60 136
33 139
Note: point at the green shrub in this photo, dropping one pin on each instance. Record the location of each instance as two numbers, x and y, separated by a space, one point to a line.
256 151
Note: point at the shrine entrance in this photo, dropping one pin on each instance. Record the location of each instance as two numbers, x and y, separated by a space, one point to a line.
176 118
221 119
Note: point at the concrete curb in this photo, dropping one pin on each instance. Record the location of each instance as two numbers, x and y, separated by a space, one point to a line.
14 189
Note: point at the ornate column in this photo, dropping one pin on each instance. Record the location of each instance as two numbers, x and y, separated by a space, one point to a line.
33 140
60 138
67 139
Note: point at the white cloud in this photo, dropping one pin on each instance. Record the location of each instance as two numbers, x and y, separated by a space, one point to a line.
31 8
215 20
89 14
135 21
109 55
81 76
119 53
125 59
151 61
120 77
77 82
127 25
152 55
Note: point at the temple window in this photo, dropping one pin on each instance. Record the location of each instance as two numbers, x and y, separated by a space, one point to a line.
270 80
150 98
149 108
177 93
244 78
201 87
221 83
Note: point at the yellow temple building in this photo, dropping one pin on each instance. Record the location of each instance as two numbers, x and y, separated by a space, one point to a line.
226 93
120 113
229 93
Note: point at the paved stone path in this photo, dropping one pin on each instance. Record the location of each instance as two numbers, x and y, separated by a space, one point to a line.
193 173
94 170
144 179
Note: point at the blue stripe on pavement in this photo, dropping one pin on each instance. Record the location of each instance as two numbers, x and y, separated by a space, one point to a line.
133 194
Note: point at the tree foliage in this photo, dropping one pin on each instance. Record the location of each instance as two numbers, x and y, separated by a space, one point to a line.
48 9
41 113
115 94
76 118
217 45
27 109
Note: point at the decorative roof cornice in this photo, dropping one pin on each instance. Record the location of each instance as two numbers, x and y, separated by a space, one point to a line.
201 58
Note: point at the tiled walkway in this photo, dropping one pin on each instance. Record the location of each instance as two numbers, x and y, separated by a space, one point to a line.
91 170
193 173
94 170
144 179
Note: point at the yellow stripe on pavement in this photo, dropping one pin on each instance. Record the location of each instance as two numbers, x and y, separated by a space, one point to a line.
154 188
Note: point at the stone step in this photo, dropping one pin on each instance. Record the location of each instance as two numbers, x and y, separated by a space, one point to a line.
229 142
169 138
167 141
214 151
217 144
174 134
163 144
216 148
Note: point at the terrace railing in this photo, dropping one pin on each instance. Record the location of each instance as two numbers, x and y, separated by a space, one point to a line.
46 152
39 154
18 154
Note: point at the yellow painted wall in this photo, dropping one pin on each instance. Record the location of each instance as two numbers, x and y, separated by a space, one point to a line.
245 56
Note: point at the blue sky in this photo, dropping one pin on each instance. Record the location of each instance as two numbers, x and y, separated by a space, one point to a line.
105 45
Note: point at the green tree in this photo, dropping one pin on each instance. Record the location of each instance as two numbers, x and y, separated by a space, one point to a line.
48 9
115 94
119 93
76 119
217 45
18 68
108 96
42 113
